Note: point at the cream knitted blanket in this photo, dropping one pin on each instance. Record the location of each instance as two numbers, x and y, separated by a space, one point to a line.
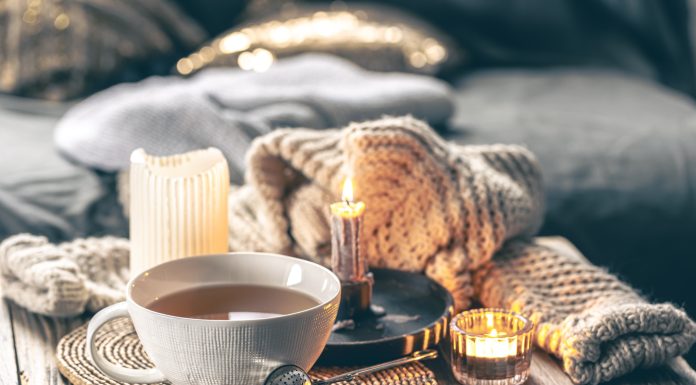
433 207
65 279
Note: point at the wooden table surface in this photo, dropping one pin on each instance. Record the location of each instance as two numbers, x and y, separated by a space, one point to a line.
28 341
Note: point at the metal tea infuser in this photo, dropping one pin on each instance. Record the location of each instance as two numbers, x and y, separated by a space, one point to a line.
293 375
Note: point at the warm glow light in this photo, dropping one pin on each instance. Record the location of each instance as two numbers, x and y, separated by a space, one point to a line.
62 21
368 33
264 60
280 35
418 59
348 207
393 35
493 344
207 54
184 66
245 61
435 53
259 60
347 195
491 347
255 48
196 60
234 42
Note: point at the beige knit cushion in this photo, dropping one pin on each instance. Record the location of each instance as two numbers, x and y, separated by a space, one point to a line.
596 324
64 279
432 206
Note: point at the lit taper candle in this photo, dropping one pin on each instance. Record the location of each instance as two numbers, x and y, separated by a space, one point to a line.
347 260
346 222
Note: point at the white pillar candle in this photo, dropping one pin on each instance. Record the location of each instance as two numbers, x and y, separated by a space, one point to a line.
178 206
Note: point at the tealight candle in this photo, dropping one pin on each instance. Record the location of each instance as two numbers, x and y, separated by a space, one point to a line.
491 346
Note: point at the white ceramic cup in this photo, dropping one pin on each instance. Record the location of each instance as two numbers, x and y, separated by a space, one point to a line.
189 351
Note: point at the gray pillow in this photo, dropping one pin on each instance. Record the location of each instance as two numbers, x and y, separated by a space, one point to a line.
42 193
609 144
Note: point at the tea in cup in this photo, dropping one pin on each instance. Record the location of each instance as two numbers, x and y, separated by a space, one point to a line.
225 318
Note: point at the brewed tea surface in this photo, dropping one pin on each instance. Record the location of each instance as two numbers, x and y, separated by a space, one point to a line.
233 302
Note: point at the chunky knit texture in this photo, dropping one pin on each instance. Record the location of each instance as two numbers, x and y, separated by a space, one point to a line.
65 279
446 210
598 326
432 206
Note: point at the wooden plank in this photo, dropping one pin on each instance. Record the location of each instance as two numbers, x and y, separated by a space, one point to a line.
36 338
682 368
8 362
441 368
546 370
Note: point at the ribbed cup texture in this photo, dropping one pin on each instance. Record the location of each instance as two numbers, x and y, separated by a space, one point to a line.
178 206
491 347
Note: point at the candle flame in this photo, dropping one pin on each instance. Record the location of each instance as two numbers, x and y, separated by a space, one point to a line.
347 195
494 333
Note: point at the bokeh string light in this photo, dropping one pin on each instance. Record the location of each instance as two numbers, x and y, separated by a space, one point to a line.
256 47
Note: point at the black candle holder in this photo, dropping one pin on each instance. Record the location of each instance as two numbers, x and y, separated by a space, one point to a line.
356 299
408 312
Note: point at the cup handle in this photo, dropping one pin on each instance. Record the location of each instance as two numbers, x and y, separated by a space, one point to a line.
118 373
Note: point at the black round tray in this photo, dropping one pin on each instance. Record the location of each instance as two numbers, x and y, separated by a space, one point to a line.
418 311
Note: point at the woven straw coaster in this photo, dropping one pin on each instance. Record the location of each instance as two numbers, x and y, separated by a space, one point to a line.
119 344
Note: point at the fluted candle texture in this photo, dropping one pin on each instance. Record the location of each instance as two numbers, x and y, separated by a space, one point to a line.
178 206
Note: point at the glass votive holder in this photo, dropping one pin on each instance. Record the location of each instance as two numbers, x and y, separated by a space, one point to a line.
491 347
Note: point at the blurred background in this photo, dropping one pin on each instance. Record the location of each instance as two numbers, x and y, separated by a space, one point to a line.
600 90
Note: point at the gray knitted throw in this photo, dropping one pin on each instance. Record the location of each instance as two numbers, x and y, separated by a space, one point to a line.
460 214
227 108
